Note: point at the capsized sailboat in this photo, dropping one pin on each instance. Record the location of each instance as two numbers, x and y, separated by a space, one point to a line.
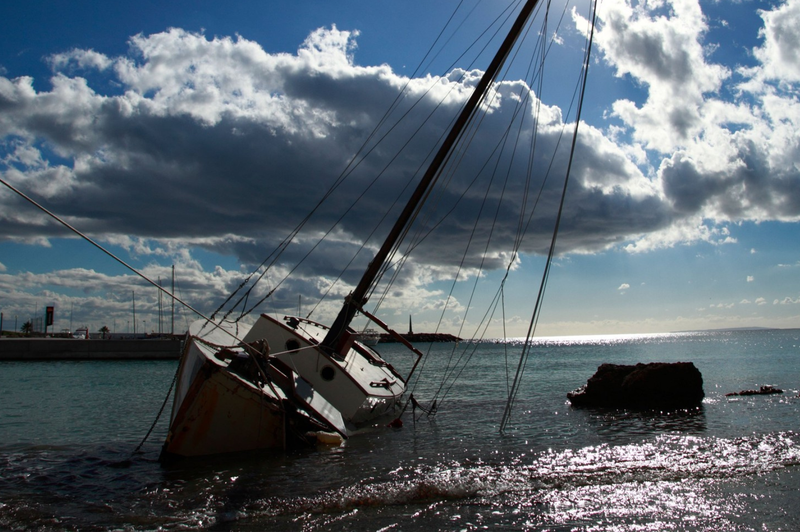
274 386
284 381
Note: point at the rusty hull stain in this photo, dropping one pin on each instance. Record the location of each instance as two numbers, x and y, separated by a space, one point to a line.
217 417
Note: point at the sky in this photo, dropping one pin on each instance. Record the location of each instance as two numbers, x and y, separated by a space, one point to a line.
197 135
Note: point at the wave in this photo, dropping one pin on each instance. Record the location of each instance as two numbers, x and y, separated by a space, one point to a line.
663 480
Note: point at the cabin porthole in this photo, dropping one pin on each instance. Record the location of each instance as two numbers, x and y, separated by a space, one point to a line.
327 373
292 345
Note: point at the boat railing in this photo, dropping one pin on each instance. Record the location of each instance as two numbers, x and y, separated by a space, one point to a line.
365 350
298 320
397 337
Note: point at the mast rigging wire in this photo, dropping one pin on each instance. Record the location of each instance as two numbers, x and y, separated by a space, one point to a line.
537 307
453 372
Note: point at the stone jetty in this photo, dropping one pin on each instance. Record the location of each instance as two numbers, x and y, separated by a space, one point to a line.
74 349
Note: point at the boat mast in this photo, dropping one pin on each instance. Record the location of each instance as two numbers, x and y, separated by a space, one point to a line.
358 297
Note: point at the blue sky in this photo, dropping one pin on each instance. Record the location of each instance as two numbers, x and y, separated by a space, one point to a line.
197 134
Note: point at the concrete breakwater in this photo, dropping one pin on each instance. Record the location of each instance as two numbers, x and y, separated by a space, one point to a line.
73 349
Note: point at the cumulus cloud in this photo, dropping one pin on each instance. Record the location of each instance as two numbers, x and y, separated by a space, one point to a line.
750 278
723 159
216 143
204 118
80 59
781 34
624 286
665 53
212 137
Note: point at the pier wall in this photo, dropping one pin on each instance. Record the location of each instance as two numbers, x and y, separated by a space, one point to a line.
73 349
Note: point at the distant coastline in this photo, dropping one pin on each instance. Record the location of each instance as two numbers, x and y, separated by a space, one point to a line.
734 329
421 338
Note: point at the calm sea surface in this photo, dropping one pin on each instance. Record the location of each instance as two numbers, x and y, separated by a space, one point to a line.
68 431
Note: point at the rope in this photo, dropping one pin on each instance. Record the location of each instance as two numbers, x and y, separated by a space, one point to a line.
160 411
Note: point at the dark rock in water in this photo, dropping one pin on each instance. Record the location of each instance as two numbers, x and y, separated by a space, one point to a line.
655 385
764 390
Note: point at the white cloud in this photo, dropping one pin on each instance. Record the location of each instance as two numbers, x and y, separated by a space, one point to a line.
212 137
222 131
750 278
781 34
202 118
624 286
666 54
682 231
722 160
83 59
761 301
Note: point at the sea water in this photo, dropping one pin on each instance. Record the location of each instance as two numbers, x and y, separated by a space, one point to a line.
68 431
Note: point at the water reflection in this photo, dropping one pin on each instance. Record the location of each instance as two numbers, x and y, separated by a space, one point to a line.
615 422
